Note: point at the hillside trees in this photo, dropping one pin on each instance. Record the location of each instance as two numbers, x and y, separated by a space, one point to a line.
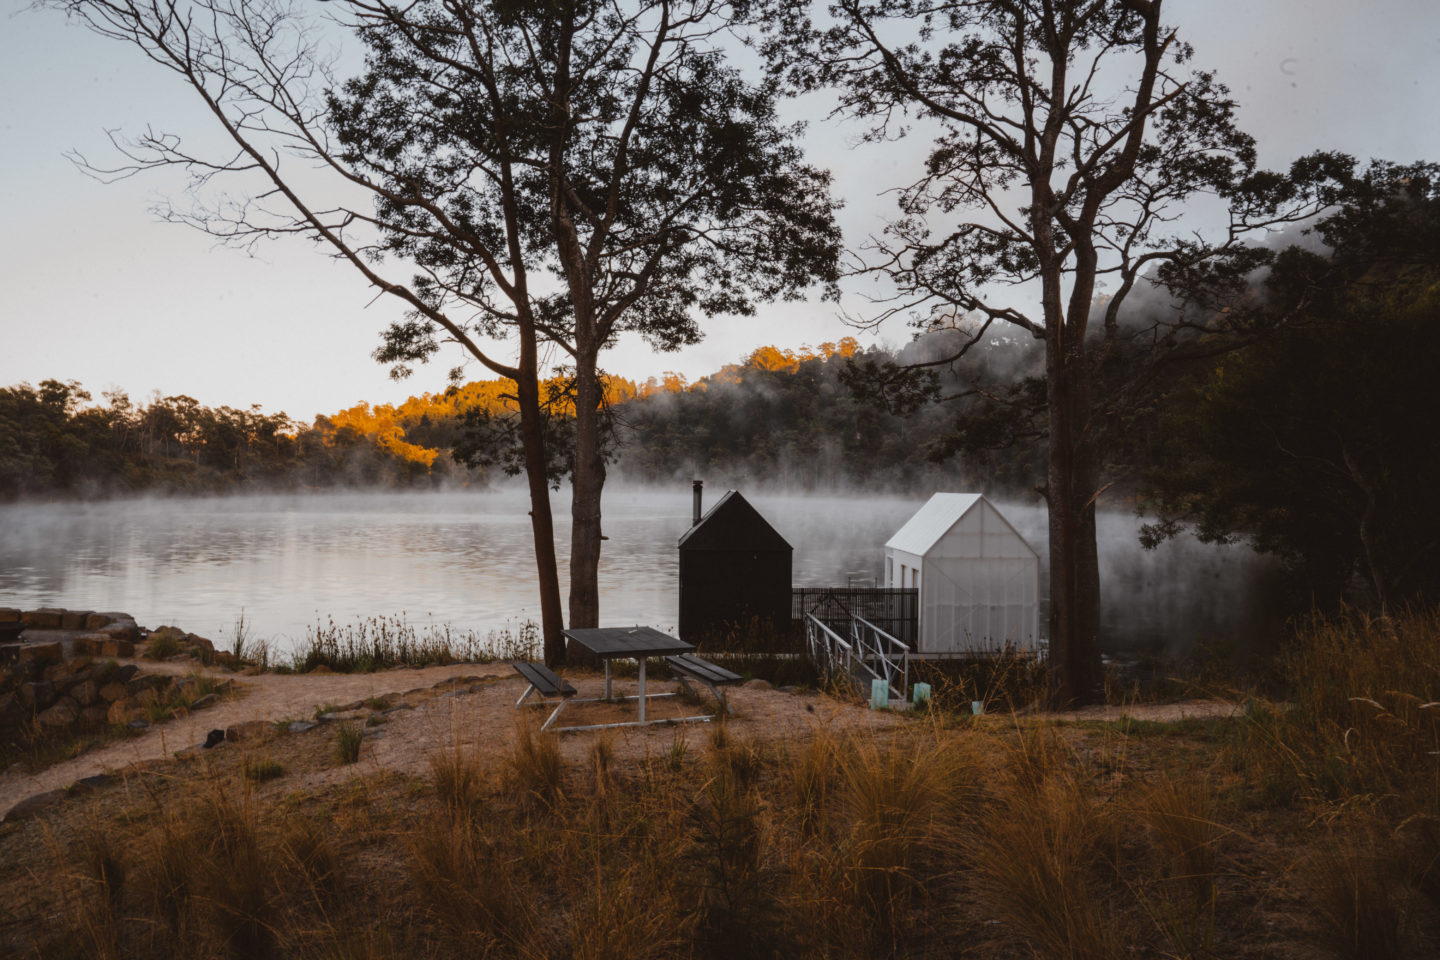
551 174
1068 136
1315 444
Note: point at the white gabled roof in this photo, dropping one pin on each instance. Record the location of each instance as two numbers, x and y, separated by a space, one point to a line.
932 521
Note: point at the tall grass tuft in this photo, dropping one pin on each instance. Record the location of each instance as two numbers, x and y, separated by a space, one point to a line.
456 775
734 906
901 801
623 914
813 775
97 868
236 875
348 738
1179 817
1359 898
467 885
533 765
1032 855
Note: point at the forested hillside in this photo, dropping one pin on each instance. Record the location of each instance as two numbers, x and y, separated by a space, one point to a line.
779 418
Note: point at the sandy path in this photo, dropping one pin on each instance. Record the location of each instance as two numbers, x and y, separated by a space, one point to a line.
481 718
267 696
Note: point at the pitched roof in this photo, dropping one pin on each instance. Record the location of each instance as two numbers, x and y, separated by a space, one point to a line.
938 517
732 524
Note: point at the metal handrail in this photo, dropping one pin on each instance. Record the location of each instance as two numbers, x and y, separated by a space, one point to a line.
861 653
821 639
857 626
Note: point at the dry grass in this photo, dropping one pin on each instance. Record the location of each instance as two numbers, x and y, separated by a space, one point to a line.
1004 837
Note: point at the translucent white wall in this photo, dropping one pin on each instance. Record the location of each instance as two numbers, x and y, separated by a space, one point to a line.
979 585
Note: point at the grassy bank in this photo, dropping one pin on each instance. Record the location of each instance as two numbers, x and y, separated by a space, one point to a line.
1304 829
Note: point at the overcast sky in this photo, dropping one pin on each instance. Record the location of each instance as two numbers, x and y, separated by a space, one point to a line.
96 290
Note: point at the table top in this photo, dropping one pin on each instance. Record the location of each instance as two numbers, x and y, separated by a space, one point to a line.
617 642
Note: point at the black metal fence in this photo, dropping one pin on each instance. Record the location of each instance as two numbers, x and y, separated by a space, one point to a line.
896 610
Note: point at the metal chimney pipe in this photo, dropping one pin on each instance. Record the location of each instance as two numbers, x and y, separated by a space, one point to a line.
696 485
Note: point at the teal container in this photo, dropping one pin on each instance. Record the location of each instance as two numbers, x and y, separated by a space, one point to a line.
977 707
879 694
920 694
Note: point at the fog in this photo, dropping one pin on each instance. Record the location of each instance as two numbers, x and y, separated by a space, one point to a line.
466 560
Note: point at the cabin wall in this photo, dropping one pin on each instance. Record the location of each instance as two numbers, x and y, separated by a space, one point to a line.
723 589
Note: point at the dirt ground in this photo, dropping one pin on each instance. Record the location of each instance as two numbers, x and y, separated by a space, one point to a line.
474 706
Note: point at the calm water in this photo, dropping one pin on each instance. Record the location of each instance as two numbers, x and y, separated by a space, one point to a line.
466 559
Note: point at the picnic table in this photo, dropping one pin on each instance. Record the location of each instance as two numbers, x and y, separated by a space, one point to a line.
628 643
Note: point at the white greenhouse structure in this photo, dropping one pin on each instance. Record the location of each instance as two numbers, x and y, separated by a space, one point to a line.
979 581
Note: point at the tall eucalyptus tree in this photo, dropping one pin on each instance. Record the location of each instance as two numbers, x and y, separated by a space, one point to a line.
1069 138
555 173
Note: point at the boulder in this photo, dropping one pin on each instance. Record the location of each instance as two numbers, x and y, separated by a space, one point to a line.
253 731
200 642
96 716
33 806
74 619
97 620
46 618
103 671
66 671
61 715
121 630
87 784
37 695
126 673
41 651
227 660
140 684
89 644
117 648
168 633
120 712
10 615
86 694
112 692
209 700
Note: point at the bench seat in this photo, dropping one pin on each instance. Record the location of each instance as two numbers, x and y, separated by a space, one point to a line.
688 666
545 682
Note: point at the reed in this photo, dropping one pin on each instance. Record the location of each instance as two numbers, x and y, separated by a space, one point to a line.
379 643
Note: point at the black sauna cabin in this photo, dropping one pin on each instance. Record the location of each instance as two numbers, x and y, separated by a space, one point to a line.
734 572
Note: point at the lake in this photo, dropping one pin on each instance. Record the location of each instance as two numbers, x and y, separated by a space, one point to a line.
466 559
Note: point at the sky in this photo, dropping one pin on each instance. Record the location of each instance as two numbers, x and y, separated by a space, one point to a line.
99 291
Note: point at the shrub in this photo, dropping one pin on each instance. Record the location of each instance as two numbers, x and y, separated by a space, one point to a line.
347 742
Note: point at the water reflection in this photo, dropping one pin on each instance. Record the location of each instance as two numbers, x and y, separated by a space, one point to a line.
467 559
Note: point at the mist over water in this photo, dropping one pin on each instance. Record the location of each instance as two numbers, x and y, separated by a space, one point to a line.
466 559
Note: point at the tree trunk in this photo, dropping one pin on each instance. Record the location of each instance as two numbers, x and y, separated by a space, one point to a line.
1075 669
587 483
527 392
